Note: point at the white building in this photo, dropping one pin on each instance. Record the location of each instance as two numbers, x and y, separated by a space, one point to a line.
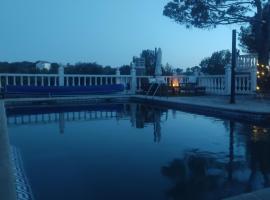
43 65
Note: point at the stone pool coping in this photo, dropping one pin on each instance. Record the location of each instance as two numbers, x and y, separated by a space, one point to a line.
7 183
248 109
257 195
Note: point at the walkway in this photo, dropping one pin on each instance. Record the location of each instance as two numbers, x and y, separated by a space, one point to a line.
257 195
246 107
243 103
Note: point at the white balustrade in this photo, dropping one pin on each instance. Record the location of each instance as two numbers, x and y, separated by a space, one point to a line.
214 84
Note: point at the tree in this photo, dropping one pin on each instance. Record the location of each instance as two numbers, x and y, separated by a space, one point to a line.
211 13
167 70
125 70
248 43
216 63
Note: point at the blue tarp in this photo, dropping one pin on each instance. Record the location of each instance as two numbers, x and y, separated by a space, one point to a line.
64 90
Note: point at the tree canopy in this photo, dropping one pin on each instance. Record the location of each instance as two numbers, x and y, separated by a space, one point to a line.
215 64
211 13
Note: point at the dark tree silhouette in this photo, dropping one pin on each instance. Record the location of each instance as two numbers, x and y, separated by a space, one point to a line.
216 63
211 13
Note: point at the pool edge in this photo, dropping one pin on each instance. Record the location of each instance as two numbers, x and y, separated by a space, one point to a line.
7 184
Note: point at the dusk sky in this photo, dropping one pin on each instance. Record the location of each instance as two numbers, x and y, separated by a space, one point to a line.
108 32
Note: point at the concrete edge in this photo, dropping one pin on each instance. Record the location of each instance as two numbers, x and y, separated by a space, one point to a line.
7 184
239 115
263 194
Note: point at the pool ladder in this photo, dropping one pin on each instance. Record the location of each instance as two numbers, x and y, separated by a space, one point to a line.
150 88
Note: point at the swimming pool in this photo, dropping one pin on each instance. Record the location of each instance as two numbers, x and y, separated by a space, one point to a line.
136 151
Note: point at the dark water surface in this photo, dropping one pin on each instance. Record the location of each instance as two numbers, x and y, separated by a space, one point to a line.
131 151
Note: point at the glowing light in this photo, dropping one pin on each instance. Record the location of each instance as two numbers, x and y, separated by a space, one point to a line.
258 72
258 64
258 88
258 76
263 73
262 65
175 83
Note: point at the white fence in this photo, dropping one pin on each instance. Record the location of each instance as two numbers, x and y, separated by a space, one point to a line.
82 80
245 80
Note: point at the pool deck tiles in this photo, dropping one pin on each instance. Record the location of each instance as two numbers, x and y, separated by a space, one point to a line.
257 195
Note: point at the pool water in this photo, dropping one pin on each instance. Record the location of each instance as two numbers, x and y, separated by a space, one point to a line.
133 151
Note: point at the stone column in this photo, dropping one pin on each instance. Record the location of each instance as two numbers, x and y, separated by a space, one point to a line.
118 74
133 87
253 78
61 75
228 74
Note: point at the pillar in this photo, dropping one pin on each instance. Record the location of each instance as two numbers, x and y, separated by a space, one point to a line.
118 74
61 75
253 78
228 74
133 87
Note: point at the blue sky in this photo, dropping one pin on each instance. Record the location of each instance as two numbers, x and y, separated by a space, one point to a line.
108 32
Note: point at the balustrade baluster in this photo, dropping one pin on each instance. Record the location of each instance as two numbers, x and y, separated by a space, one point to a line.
73 81
21 80
42 81
28 80
90 80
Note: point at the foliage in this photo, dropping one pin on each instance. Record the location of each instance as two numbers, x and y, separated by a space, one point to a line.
125 69
167 70
192 70
216 63
25 68
254 14
79 68
211 13
208 13
88 68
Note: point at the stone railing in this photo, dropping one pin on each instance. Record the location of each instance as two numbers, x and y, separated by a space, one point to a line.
215 84
245 83
132 82
245 63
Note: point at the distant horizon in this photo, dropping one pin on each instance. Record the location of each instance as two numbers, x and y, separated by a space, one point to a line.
108 33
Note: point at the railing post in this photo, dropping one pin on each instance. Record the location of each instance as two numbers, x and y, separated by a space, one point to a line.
61 75
118 74
228 74
253 78
133 79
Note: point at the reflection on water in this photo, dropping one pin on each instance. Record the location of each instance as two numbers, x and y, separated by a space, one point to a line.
204 175
201 157
140 115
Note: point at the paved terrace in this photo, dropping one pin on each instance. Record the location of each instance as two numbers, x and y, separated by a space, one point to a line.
247 108
243 103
